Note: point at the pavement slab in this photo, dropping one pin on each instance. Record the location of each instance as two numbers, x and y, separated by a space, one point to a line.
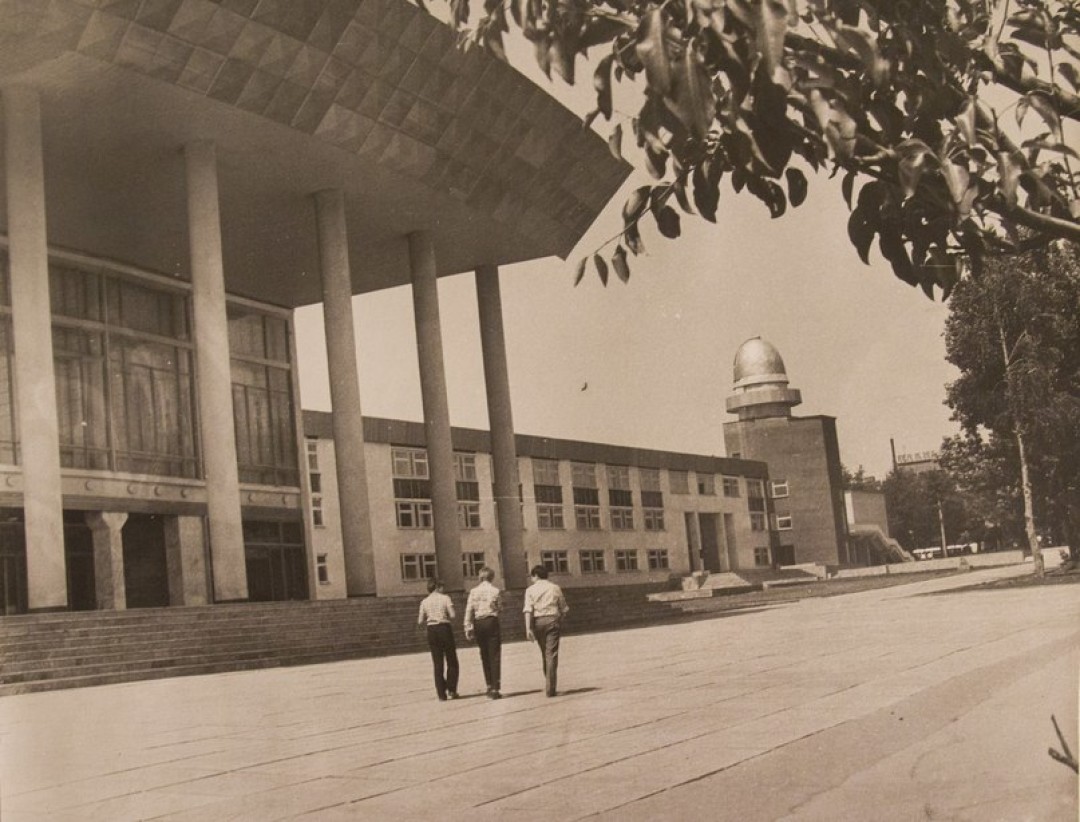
911 702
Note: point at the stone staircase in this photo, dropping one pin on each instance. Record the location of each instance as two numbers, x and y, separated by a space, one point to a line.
72 649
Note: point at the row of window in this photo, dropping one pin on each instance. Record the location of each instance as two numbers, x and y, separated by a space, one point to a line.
412 493
590 561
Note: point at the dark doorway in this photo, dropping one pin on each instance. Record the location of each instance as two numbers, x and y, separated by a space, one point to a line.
275 559
146 575
79 558
710 544
13 582
784 555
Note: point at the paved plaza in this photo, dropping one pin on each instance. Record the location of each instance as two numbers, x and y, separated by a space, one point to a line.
884 705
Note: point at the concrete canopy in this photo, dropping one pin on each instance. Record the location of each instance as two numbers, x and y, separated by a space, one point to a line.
370 96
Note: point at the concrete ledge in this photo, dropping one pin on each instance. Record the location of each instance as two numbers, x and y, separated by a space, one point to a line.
675 596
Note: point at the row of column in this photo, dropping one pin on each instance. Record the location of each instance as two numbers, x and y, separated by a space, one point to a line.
36 386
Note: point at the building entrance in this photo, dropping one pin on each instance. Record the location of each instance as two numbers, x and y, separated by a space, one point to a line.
146 575
12 562
710 543
276 562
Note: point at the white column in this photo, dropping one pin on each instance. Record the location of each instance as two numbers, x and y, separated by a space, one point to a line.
110 590
501 419
348 420
214 374
436 409
35 380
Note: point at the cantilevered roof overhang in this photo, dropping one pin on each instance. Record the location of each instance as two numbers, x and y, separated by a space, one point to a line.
369 96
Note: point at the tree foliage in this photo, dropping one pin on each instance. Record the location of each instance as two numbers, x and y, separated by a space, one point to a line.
859 480
984 471
913 501
1014 333
946 119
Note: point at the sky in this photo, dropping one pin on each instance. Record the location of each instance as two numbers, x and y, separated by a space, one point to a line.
656 353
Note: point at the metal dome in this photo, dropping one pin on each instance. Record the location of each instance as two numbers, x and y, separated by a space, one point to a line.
758 362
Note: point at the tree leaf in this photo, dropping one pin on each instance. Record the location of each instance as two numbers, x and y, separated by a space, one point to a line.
965 121
615 141
635 205
846 187
797 186
706 194
692 99
601 268
652 51
667 220
1008 177
622 267
1070 73
1049 114
632 235
861 233
957 179
770 25
602 84
580 272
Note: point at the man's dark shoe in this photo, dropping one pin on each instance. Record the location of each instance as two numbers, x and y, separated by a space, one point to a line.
493 694
452 695
442 698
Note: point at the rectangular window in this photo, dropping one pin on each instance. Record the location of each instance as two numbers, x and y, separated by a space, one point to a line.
312 454
410 462
618 476
549 517
262 396
654 519
650 479
317 512
706 485
471 563
583 474
783 522
412 488
779 489
761 557
757 521
622 519
587 517
548 493
586 496
731 486
468 491
545 472
621 506
755 489
658 559
556 562
322 570
680 482
592 562
626 560
418 566
755 501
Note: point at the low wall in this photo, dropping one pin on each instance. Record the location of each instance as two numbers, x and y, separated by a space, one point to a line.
988 560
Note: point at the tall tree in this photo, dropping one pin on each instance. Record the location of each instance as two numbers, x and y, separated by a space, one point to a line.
1014 332
924 508
984 469
947 119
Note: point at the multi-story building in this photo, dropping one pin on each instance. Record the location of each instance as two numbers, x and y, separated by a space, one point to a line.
593 514
803 455
180 176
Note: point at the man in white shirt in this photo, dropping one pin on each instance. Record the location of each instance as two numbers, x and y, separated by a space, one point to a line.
437 615
482 620
545 607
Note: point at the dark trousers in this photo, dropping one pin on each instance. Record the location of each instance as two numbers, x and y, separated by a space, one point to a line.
546 631
489 640
440 639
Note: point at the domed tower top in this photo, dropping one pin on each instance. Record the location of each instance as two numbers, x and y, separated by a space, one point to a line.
761 383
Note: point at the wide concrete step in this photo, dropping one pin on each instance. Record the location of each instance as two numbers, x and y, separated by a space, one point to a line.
59 650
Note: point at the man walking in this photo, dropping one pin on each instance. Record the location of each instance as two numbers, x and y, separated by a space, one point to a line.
437 613
482 619
545 606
